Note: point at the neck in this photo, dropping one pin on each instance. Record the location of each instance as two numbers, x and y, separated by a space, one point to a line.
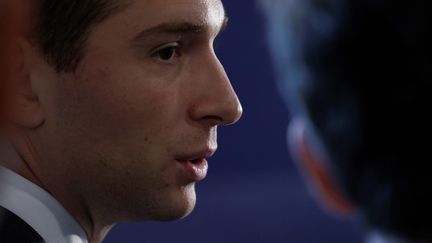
95 228
99 234
22 164
10 159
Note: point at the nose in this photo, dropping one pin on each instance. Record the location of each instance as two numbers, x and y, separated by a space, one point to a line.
217 102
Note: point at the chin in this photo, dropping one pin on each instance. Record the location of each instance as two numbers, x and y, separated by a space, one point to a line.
179 205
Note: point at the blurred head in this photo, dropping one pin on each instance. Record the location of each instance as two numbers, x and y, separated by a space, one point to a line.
12 25
119 99
355 75
5 39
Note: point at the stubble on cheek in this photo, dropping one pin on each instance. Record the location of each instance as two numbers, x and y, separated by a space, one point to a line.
119 132
137 186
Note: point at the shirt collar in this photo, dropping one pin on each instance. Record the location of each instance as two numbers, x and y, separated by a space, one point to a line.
38 209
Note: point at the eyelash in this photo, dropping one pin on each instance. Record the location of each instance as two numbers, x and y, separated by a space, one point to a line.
176 49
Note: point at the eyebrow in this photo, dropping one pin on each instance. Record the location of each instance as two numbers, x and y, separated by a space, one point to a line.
178 28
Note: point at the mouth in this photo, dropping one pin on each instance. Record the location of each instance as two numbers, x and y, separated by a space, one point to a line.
193 167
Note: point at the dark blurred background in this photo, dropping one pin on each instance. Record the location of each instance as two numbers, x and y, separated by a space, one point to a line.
253 192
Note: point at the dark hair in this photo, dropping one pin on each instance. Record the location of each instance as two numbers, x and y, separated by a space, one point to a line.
361 70
64 26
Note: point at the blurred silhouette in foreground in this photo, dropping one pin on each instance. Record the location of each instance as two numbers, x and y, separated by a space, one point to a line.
356 77
4 47
11 25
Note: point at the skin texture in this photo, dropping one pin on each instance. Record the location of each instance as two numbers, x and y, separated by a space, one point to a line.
104 140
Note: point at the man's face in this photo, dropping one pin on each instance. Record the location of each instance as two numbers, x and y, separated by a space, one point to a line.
146 98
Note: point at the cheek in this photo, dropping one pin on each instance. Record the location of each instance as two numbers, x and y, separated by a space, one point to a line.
109 101
127 126
118 126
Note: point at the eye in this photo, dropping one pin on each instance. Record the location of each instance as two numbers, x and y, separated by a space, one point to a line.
168 53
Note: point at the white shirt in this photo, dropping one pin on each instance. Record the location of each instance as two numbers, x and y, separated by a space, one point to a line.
38 209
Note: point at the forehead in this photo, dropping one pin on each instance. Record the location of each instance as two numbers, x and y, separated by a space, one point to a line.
148 13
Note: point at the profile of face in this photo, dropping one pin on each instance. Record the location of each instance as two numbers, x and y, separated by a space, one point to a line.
129 131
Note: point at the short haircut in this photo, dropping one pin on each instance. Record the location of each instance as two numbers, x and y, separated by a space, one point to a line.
64 25
361 72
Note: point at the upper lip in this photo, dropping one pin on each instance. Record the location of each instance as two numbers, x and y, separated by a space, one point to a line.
203 154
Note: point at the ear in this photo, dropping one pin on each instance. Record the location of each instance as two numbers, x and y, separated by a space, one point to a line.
25 106
314 166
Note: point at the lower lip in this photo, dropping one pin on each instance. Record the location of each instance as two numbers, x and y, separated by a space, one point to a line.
192 172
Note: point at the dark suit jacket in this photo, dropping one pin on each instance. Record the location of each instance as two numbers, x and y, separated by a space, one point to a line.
14 230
